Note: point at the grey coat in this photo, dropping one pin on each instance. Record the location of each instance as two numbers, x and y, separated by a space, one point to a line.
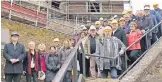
11 53
64 54
111 51
145 23
52 65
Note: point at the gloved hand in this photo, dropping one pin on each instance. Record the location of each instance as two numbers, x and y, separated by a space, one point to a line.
121 52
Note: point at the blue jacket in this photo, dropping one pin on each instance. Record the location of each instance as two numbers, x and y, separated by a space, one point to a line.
154 19
157 15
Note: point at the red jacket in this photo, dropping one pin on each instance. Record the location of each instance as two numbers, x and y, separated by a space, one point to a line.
42 61
132 37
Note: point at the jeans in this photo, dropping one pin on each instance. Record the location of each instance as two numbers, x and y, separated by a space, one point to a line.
67 77
104 73
31 76
113 73
14 77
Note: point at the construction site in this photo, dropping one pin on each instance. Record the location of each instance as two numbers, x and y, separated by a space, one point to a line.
44 20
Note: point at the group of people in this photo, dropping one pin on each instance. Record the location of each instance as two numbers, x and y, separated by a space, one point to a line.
107 38
36 64
111 37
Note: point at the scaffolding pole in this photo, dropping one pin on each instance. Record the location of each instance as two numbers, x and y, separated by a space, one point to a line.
38 9
11 1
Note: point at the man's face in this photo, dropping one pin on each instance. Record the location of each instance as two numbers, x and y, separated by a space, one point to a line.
56 43
97 26
126 17
105 23
107 33
14 38
92 31
122 23
114 25
155 6
146 11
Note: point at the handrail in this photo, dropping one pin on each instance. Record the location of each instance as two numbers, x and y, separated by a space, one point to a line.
60 74
127 70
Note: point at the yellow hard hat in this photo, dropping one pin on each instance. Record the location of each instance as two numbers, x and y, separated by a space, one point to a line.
155 4
114 21
122 18
56 40
107 28
124 12
97 22
129 10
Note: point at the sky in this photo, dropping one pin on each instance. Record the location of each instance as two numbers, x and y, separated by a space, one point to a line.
138 4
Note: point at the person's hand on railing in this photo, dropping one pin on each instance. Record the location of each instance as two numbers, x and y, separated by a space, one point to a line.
143 31
121 52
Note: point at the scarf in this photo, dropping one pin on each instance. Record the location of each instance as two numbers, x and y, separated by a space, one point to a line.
35 61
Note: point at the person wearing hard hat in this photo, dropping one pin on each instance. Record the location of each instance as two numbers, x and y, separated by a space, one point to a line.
157 9
124 12
121 35
90 48
99 28
53 64
31 63
109 46
132 16
14 53
145 25
122 24
98 25
56 42
101 21
159 18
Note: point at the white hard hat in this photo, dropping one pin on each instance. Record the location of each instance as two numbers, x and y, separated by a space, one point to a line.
82 26
101 19
92 27
41 75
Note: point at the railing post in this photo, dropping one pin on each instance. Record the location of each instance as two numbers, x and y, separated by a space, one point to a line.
83 60
126 64
75 72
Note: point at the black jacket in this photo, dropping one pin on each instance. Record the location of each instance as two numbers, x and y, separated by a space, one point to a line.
121 35
11 53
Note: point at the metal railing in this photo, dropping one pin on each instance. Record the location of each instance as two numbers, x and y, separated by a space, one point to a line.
73 57
132 65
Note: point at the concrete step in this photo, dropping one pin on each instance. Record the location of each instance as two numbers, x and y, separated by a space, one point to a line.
101 80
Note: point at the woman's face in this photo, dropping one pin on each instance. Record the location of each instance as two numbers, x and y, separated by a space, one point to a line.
42 47
132 27
31 45
53 50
